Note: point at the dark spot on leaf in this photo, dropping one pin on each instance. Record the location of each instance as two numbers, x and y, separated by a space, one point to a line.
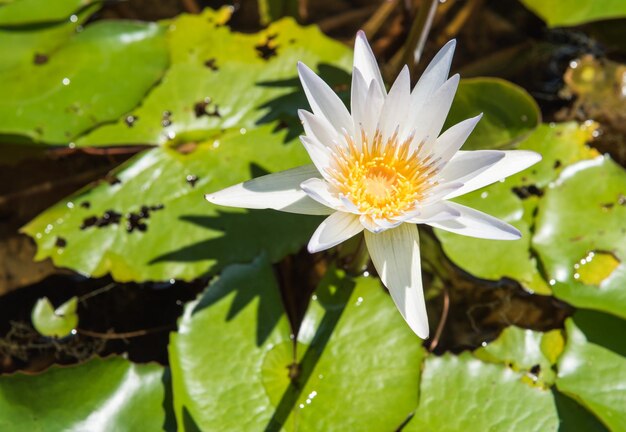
60 242
535 211
130 120
191 179
607 206
137 220
292 41
109 217
40 59
200 107
524 192
535 370
166 119
85 204
211 64
557 164
267 50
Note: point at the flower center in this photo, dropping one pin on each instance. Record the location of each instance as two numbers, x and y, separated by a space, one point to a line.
385 179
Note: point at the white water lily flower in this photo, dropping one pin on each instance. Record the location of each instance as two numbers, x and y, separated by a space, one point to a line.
384 168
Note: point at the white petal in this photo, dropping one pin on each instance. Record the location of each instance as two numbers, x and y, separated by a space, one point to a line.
465 165
365 61
358 102
433 77
428 125
319 154
439 211
396 104
371 113
511 162
335 229
322 192
451 140
474 223
439 192
278 191
323 99
318 128
396 256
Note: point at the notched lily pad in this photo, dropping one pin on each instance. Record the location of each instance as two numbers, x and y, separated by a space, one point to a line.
151 224
92 78
57 322
580 235
525 351
233 353
207 89
104 395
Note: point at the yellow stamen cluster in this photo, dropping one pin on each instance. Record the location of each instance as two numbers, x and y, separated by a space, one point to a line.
385 178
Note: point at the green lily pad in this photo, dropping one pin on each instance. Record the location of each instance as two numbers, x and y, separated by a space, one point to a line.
95 77
22 12
57 322
580 235
150 220
510 113
232 357
208 89
594 376
564 13
523 351
560 145
21 47
100 395
463 393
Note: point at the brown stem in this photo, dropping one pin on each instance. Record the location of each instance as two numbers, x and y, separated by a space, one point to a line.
191 6
442 320
126 335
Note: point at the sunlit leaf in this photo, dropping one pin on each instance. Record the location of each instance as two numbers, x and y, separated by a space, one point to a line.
357 361
207 88
558 13
95 77
595 377
150 220
99 396
581 219
463 393
57 322
523 350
